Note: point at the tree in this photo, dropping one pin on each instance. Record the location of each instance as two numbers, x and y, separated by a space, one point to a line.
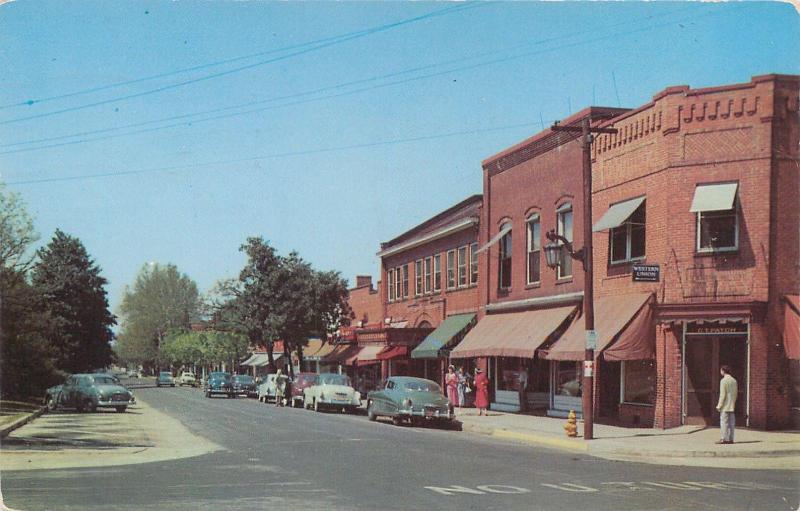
204 348
16 231
162 300
72 293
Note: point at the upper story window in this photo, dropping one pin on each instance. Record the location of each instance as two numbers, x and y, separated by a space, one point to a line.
534 249
428 274
716 209
451 269
462 266
564 228
390 278
418 277
398 284
627 241
473 263
405 281
437 272
504 263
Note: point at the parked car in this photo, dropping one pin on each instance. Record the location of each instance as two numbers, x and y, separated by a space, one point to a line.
187 378
266 390
301 382
244 384
403 398
219 383
133 374
88 392
165 379
331 390
109 375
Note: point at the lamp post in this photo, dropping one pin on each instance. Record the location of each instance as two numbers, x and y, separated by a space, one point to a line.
558 243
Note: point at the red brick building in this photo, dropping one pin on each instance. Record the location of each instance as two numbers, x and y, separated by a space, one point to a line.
703 184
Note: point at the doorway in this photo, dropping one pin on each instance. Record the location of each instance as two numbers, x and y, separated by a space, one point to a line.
704 355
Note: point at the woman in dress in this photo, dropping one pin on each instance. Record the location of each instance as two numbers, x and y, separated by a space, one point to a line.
462 386
481 391
451 383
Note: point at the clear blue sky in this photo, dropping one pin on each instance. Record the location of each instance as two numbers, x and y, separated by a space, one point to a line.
518 64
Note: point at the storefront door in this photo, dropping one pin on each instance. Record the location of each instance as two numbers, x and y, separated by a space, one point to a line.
704 355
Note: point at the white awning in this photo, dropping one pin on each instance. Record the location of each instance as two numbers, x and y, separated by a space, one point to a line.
505 230
260 360
715 197
617 214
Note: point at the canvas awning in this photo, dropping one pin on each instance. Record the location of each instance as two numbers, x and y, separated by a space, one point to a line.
714 197
250 359
392 352
340 353
505 230
366 355
259 360
444 336
512 334
617 214
625 331
325 349
791 327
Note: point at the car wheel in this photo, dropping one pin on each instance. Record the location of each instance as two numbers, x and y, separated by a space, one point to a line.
316 406
51 403
121 409
208 394
397 420
90 406
371 412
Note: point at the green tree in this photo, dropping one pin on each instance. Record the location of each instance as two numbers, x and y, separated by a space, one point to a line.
72 293
16 231
162 300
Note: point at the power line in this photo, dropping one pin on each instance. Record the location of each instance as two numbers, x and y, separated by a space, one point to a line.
310 49
319 90
199 67
347 93
275 155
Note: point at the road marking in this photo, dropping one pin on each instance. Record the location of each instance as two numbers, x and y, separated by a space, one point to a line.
571 487
454 489
672 486
610 486
500 488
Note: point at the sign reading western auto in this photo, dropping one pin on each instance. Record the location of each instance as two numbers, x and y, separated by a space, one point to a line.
646 272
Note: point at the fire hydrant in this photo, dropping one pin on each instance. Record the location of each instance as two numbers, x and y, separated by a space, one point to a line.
571 427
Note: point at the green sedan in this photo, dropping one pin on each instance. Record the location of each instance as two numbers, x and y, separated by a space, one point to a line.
403 398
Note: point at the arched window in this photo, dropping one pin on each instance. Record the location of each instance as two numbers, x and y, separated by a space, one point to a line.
504 266
565 229
534 248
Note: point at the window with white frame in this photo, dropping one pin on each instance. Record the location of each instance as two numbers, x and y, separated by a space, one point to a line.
437 272
534 249
638 382
405 281
627 241
398 284
504 263
390 278
462 266
564 228
428 274
418 277
718 231
473 264
451 269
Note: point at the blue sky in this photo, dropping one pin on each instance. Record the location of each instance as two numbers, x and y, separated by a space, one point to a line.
493 72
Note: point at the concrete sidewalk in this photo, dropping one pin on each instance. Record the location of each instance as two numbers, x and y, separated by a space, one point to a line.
686 445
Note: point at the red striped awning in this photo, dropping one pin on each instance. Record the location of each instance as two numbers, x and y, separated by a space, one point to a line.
392 352
791 327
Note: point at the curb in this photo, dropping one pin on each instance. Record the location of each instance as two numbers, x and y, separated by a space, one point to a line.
695 454
22 421
574 445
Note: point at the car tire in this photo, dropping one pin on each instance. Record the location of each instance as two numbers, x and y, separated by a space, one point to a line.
51 403
208 394
371 413
316 406
91 407
397 420
121 409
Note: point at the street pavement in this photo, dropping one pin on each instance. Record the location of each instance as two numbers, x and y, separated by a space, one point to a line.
283 458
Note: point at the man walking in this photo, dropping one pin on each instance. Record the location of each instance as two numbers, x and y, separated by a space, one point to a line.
727 404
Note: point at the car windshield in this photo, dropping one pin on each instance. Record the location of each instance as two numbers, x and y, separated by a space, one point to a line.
306 379
334 379
104 380
219 376
421 386
243 379
165 375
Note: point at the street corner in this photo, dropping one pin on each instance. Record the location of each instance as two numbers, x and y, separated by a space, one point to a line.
67 439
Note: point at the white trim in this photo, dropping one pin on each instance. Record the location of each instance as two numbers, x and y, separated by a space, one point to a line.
533 218
466 266
541 301
447 269
683 374
712 250
435 235
622 385
747 389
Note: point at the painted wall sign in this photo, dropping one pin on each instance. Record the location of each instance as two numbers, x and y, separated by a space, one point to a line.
717 328
646 272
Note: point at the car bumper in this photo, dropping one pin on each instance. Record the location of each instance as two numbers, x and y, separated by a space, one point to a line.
114 403
220 391
427 414
340 402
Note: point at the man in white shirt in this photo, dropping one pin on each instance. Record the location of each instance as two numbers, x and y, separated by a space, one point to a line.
726 405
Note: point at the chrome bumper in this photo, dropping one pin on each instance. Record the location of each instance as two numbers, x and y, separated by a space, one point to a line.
435 414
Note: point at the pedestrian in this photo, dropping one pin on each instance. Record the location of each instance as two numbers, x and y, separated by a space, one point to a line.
462 387
523 387
481 391
451 383
280 388
727 405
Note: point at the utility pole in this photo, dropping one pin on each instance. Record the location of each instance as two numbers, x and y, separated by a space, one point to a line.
587 131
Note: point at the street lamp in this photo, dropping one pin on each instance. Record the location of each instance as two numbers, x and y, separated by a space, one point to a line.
559 244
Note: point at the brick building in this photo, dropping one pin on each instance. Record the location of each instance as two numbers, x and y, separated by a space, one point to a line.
703 184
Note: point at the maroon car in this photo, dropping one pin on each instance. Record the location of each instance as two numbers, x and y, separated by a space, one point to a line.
300 382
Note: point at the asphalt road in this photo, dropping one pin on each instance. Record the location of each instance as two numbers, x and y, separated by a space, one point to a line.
282 458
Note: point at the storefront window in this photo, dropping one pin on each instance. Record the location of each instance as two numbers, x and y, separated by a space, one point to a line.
508 372
568 379
794 382
639 382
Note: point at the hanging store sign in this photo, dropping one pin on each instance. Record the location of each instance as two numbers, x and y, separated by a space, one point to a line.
646 272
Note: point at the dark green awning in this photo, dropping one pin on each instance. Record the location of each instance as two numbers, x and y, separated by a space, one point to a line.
450 331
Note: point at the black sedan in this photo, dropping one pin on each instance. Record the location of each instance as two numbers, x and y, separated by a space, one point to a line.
244 384
219 383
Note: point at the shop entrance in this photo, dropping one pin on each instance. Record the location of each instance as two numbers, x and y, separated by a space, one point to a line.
704 354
